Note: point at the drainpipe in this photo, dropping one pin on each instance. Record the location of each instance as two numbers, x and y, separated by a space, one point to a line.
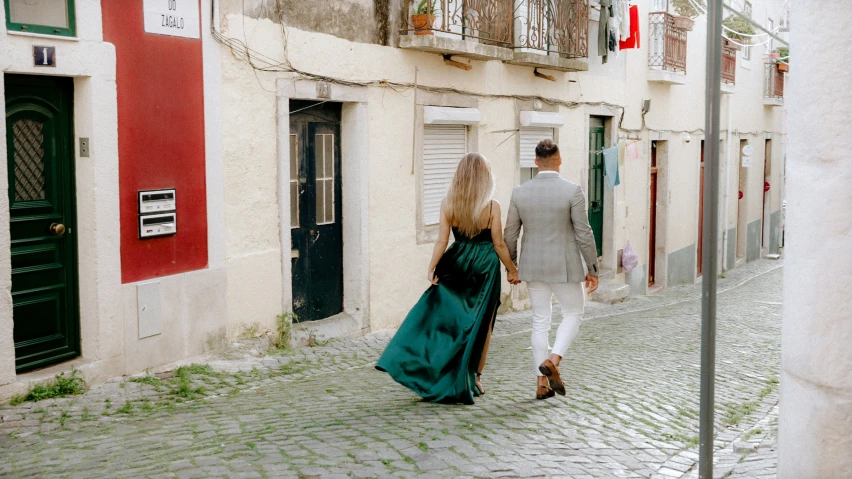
728 169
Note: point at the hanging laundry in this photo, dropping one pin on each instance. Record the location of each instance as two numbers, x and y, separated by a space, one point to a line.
611 167
632 151
623 20
604 29
633 40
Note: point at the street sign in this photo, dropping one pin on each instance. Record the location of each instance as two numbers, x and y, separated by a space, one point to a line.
44 56
748 161
175 18
748 150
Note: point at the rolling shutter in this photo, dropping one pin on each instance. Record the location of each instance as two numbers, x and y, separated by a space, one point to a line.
529 139
443 148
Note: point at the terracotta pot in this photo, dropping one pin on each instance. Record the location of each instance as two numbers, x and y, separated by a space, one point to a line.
684 23
423 23
783 67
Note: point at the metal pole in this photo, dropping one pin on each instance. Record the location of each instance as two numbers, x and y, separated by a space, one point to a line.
711 236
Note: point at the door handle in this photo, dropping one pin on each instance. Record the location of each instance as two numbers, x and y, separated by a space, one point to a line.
57 229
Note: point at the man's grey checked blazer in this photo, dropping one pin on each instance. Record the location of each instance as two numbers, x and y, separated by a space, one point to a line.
557 234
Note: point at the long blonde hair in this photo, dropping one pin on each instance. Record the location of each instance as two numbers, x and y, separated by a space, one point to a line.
469 194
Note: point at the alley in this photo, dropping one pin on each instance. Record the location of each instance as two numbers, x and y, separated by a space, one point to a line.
631 411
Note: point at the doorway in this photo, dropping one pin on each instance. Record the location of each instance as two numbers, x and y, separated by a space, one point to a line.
767 174
597 132
742 204
316 210
700 259
40 162
652 236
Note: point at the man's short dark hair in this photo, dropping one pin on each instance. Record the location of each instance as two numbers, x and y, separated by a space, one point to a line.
545 149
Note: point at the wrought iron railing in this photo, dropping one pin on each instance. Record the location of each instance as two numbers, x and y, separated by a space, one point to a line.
667 43
553 26
487 21
773 82
729 63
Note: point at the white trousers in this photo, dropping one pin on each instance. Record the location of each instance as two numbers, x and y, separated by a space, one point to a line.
572 301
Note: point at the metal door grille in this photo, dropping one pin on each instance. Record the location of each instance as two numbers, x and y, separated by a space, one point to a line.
29 160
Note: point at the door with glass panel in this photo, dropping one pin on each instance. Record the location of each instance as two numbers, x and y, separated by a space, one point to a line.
316 210
40 162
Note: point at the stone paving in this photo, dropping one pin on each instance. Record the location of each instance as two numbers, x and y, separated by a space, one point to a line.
632 378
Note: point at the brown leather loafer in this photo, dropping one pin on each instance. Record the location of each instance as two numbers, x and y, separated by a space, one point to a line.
552 372
544 392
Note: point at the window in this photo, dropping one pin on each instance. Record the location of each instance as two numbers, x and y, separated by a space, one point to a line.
529 139
747 13
51 17
771 44
324 158
443 148
294 181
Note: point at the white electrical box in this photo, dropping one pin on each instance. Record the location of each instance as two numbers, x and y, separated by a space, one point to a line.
162 224
156 201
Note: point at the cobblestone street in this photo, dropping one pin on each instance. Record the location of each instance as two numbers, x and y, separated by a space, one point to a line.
631 410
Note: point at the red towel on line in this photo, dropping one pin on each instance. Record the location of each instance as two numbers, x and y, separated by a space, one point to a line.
633 40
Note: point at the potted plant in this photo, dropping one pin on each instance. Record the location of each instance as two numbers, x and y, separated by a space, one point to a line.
739 29
423 17
684 23
782 58
687 8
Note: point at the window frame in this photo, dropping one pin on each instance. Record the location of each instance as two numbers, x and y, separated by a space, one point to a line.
70 31
747 10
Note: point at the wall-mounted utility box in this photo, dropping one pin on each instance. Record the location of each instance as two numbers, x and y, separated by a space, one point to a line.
157 213
156 201
162 224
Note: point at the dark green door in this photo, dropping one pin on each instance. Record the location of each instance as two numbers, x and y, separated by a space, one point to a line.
316 210
596 180
40 160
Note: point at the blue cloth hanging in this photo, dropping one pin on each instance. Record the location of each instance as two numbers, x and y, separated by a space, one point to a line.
611 167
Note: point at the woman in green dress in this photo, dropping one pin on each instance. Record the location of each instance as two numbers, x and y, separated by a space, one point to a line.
439 350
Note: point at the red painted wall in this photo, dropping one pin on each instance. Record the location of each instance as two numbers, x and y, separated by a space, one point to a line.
160 140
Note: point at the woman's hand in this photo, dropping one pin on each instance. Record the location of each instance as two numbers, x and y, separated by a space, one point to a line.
431 277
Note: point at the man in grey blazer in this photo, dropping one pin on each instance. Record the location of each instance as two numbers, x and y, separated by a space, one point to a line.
557 255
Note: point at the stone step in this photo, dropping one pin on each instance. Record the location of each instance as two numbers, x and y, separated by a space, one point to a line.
610 293
606 274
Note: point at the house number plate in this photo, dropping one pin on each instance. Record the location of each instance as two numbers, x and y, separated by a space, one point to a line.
44 56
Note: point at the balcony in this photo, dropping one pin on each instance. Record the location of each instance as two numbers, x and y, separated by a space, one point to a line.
551 34
667 44
478 29
729 66
773 84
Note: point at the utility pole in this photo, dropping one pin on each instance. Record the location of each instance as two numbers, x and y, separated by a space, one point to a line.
710 240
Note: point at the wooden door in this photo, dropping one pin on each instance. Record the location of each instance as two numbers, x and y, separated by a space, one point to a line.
699 263
596 184
316 211
40 161
652 235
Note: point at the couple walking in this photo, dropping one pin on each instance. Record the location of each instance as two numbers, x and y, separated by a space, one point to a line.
440 349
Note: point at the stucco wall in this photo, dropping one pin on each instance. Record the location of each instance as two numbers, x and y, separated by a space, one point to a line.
816 378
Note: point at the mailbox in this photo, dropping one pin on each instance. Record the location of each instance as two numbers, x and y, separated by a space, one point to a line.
163 224
157 213
156 201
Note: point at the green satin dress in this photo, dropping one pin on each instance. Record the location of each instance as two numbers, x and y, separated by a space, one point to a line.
437 349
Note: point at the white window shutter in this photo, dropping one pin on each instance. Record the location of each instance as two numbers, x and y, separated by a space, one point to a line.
443 148
529 140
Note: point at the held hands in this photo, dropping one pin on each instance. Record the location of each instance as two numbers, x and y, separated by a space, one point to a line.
430 276
512 277
591 283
